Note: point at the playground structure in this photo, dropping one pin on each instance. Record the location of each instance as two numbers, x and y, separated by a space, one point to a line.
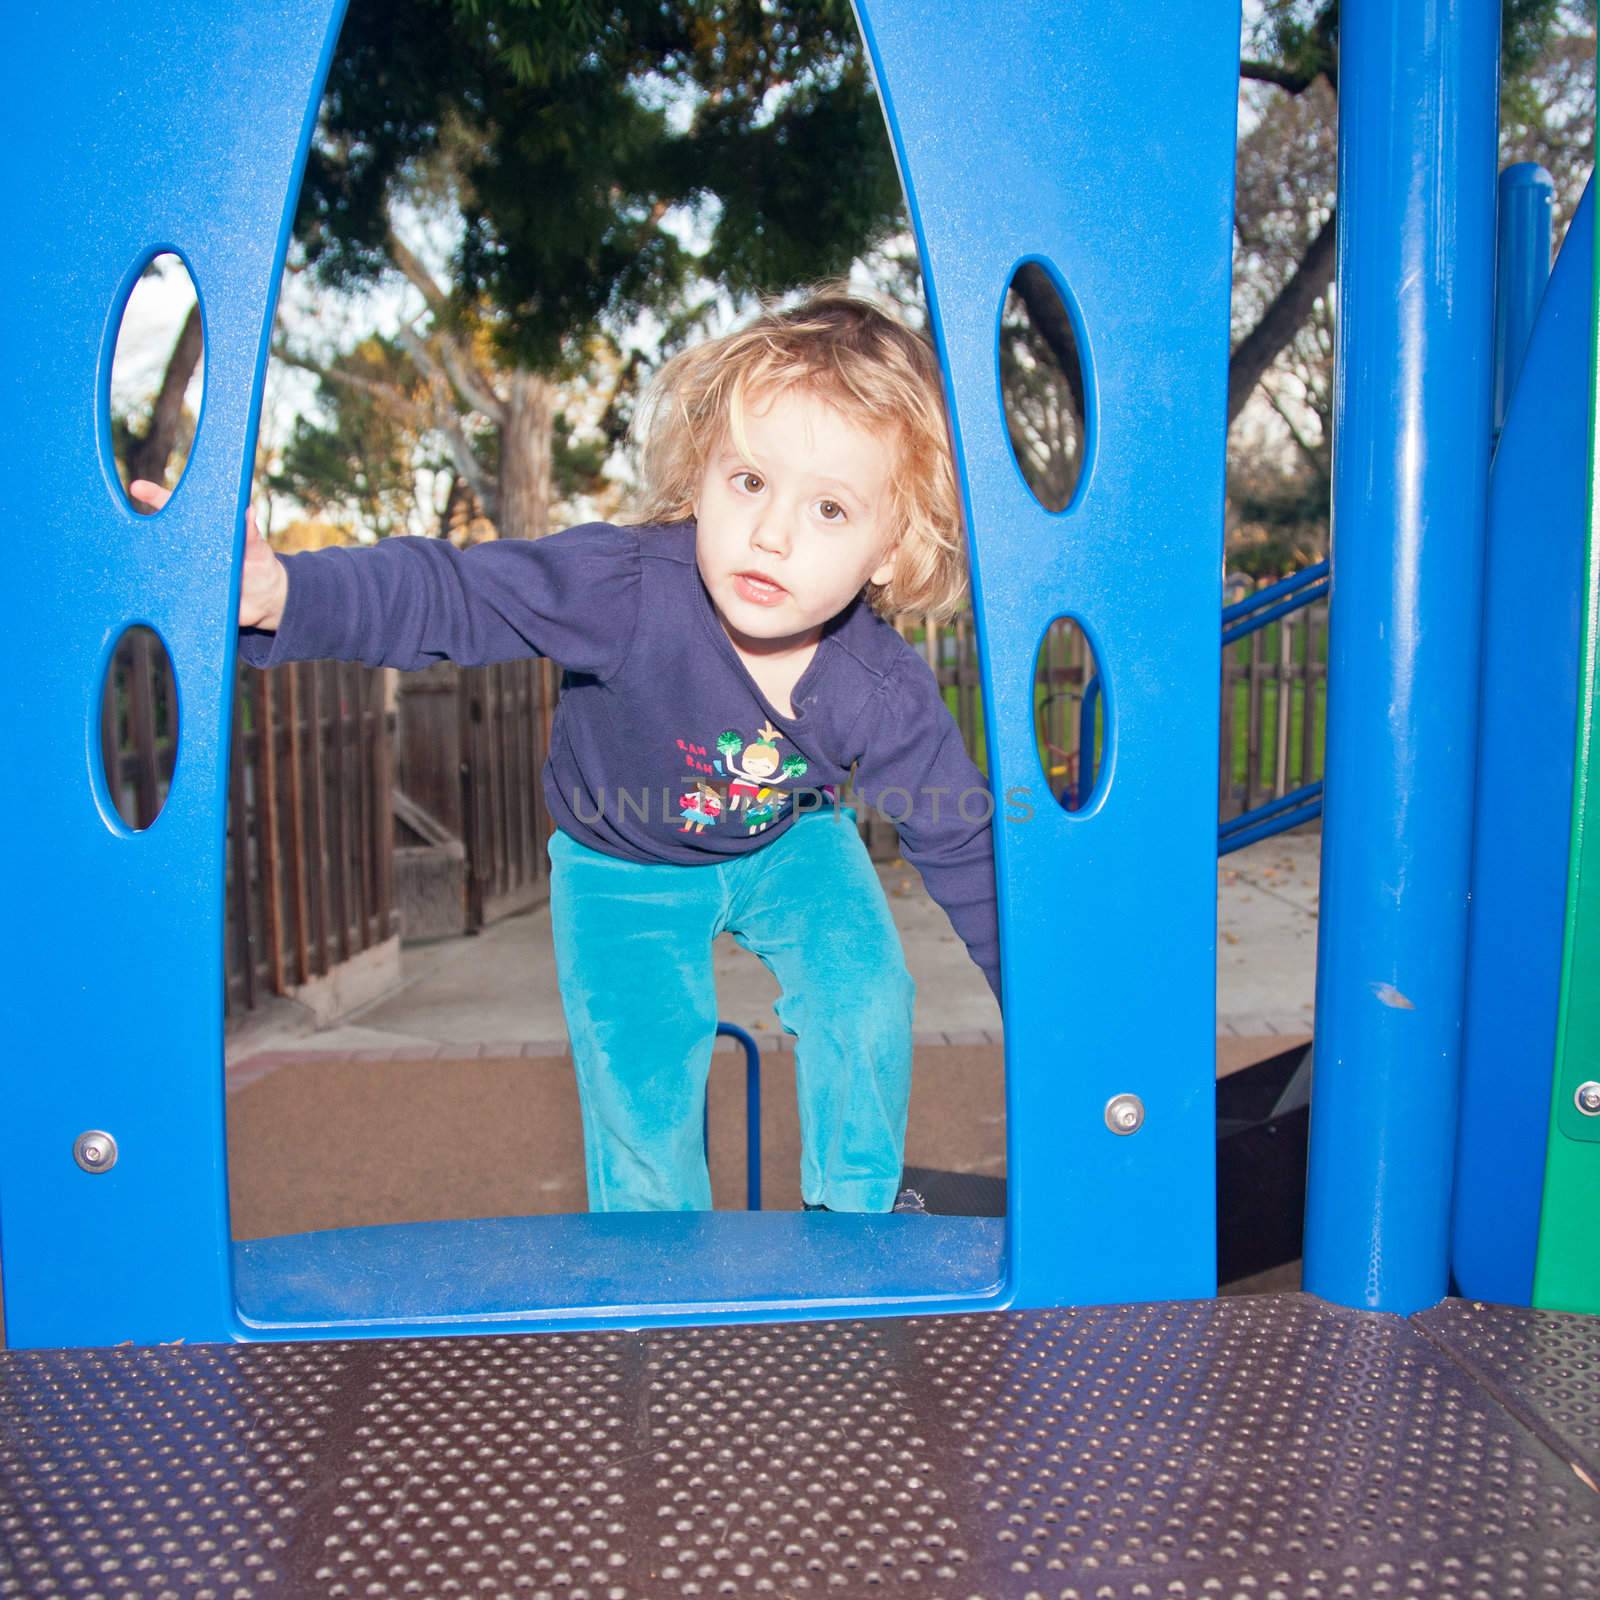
1022 1447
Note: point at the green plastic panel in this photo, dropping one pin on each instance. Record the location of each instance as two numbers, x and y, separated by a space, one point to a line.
1567 1273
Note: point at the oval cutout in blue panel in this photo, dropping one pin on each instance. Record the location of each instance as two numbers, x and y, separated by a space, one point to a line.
1070 714
157 376
139 727
1044 392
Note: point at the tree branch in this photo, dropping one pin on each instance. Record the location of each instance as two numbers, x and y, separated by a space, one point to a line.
1324 30
148 454
469 467
1270 72
438 380
474 387
416 273
1282 319
440 417
1049 315
393 400
447 420
1312 454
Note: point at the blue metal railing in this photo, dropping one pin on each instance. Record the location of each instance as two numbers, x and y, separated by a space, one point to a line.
1276 816
1087 715
1273 591
1257 610
752 1113
1522 270
1239 620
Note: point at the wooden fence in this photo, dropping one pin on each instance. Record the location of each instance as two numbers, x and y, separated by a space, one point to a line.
310 825
310 850
312 772
1273 710
471 748
319 748
139 727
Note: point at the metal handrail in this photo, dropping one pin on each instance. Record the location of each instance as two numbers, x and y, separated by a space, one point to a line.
1241 618
1227 843
1312 592
1255 611
1284 802
1261 597
752 1113
1086 718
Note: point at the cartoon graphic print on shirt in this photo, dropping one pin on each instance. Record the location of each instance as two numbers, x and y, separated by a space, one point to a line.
763 810
699 808
754 768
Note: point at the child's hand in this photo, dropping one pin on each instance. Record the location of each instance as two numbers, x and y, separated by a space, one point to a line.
265 581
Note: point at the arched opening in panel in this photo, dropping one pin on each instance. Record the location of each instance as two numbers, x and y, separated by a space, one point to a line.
477 300
157 377
139 727
1042 386
1070 710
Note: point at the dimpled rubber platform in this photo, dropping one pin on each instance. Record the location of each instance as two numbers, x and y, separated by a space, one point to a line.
1274 1448
1542 1365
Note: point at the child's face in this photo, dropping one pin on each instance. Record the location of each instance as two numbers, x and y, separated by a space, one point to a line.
789 533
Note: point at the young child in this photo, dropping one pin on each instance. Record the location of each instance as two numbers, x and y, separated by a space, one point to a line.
728 667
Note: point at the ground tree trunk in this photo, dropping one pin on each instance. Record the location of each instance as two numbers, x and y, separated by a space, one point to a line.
525 439
149 452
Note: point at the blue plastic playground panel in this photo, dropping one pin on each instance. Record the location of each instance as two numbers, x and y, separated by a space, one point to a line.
184 127
1019 137
1527 733
1418 109
695 1266
132 130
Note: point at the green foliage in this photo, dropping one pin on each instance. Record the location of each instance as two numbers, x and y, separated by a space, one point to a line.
1525 29
573 131
577 466
803 194
1300 38
362 466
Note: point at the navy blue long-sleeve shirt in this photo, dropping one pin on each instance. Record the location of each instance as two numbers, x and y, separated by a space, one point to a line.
663 748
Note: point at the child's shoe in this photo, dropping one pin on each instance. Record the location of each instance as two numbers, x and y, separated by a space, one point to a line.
908 1200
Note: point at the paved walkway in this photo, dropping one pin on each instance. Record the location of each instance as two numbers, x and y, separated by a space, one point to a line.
1267 936
495 994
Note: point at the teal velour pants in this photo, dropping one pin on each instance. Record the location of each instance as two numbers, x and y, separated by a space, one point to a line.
633 956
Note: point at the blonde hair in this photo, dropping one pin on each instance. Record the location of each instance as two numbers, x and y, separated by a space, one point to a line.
870 367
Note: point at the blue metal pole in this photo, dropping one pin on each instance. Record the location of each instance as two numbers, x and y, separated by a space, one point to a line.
1087 720
1522 269
1418 84
752 1112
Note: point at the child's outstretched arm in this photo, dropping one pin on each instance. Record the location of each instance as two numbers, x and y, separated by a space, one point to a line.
264 583
409 603
914 768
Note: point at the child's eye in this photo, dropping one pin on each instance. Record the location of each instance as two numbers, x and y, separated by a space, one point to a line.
831 511
750 482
